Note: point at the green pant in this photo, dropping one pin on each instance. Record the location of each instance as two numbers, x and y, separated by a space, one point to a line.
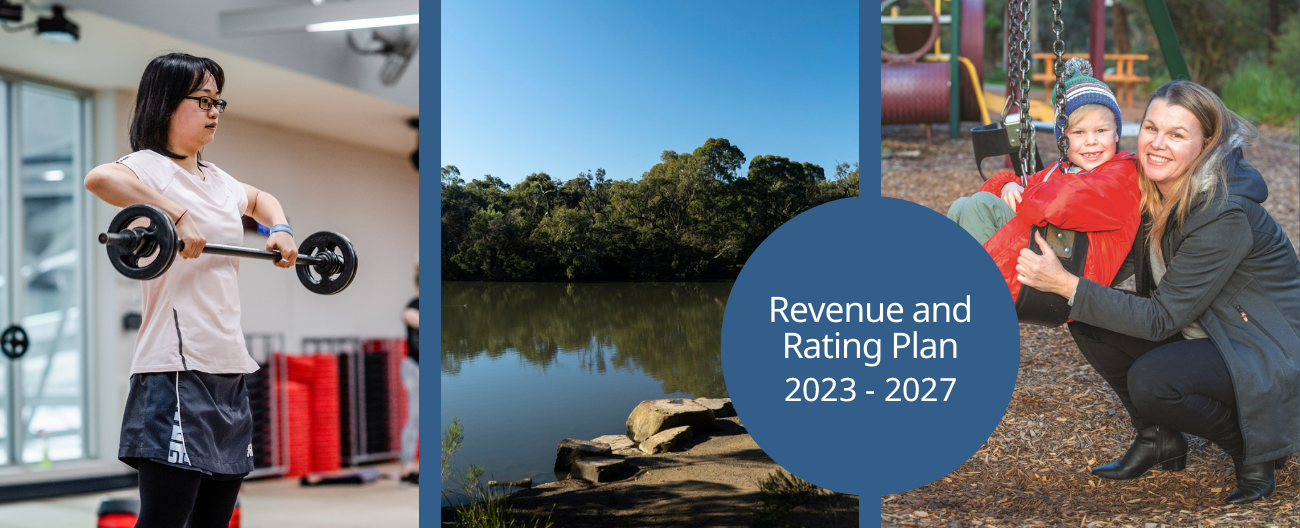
981 214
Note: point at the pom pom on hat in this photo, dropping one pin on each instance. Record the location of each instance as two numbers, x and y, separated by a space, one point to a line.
1075 67
1082 88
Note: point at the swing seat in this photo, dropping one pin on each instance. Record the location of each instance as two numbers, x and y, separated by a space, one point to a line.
995 139
1032 306
1049 309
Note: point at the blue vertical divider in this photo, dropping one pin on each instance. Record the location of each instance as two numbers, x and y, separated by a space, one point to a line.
430 233
869 104
869 142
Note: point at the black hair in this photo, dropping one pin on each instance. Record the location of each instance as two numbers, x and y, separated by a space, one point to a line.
167 80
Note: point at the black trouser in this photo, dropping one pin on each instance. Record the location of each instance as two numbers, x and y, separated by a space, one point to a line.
1176 383
169 496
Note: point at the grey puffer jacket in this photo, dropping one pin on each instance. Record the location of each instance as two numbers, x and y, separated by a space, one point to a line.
1233 270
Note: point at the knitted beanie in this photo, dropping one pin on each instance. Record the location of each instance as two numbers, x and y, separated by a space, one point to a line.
1082 88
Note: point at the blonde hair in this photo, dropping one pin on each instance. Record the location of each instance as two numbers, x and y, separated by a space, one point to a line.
1084 111
1224 132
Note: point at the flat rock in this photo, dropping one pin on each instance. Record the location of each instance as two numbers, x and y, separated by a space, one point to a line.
666 440
559 484
600 469
721 407
615 442
572 450
653 416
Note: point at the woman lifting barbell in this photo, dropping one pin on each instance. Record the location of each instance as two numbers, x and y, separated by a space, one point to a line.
187 426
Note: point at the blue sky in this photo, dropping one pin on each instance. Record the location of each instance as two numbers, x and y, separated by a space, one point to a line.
568 86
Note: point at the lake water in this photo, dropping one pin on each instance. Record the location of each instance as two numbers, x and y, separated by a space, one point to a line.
526 365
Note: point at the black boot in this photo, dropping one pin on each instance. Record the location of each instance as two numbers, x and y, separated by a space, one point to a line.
1281 462
1154 446
1254 482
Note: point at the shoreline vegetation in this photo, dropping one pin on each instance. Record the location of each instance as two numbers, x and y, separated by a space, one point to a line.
691 217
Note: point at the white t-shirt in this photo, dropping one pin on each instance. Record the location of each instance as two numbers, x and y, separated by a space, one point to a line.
191 312
1158 269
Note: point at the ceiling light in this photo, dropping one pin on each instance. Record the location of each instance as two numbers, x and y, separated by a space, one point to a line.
57 28
363 23
54 175
289 19
11 12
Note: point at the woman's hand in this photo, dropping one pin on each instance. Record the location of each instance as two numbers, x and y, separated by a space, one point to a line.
191 237
1011 195
1044 272
282 242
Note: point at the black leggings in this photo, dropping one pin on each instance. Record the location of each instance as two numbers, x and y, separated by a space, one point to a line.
169 496
1179 384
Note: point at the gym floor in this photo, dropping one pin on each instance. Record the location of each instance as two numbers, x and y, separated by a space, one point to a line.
279 503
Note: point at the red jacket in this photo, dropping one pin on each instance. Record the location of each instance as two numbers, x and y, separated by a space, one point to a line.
1103 202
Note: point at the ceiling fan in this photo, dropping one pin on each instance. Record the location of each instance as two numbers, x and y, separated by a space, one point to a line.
398 45
390 22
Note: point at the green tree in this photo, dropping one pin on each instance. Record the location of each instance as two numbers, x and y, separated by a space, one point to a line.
451 176
690 216
495 247
777 189
574 240
537 193
719 159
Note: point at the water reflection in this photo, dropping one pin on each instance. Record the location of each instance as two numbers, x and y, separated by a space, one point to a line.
669 332
526 365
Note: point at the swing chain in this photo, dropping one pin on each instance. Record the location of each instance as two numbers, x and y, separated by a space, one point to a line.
1058 47
1013 57
1024 55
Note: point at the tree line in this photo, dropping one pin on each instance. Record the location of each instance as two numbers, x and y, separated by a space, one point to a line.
690 217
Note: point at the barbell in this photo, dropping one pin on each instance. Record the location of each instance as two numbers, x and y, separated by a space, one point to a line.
326 263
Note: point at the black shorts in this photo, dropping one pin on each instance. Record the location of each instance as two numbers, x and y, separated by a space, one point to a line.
210 430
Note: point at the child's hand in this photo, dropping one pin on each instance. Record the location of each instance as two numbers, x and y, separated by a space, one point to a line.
1011 195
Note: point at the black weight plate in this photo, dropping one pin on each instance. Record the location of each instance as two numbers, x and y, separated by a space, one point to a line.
13 342
327 241
159 229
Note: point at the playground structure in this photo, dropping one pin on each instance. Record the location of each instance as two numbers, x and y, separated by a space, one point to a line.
921 85
915 85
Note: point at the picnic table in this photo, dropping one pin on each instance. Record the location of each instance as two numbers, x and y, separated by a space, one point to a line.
1123 78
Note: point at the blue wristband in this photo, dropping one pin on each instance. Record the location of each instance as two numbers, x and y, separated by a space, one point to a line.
280 228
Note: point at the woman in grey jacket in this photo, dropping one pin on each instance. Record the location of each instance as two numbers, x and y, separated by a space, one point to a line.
1209 344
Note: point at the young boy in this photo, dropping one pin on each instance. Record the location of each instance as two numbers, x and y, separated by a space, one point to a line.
1095 192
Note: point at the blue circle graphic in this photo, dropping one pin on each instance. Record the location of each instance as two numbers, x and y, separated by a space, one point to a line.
913 377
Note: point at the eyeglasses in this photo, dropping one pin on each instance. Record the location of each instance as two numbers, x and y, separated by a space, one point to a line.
205 103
